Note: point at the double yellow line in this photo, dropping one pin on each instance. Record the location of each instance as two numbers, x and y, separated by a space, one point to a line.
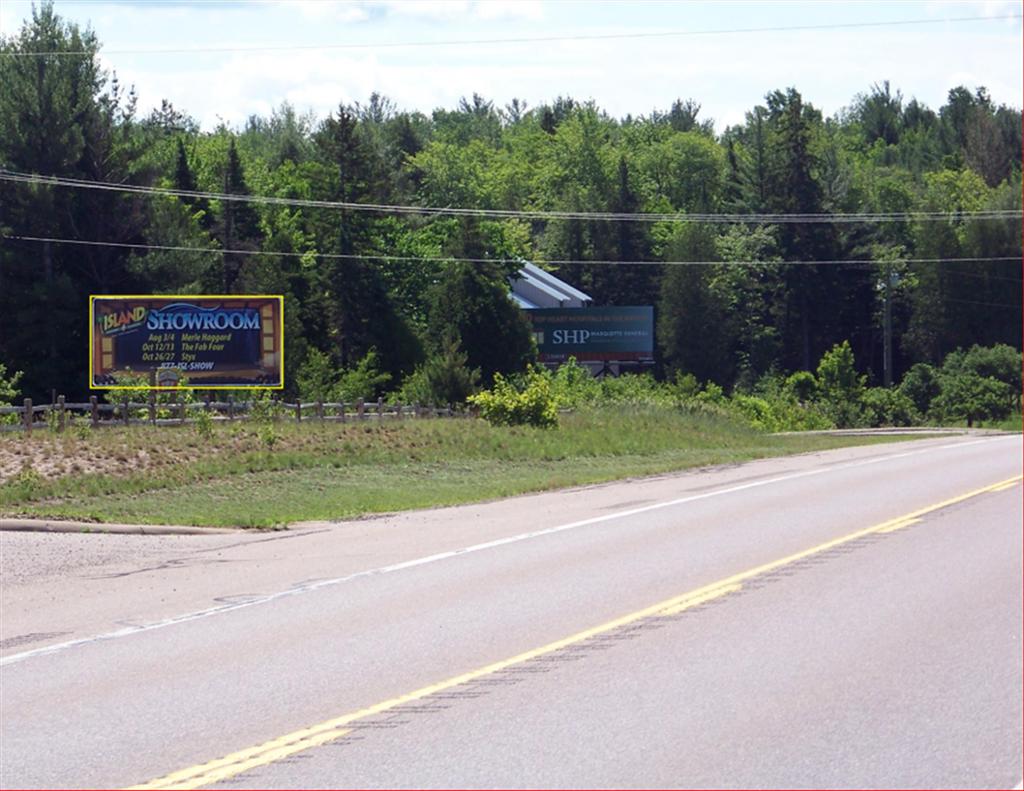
329 730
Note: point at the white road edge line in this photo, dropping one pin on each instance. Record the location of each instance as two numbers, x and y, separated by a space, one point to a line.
408 564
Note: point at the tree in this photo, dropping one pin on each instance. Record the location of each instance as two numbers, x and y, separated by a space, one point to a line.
694 331
840 387
880 114
239 222
472 301
60 116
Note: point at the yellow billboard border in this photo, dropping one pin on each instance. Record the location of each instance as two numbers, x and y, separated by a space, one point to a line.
92 326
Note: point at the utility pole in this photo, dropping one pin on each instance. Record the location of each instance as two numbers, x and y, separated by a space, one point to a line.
887 328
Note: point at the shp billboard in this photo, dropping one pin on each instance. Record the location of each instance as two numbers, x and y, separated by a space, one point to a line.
208 341
593 334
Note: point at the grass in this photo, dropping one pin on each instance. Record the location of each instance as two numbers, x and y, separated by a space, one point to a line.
264 476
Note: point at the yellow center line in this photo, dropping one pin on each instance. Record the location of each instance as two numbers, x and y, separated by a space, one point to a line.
329 730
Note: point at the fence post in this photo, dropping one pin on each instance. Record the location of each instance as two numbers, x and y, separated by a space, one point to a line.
343 418
360 409
181 410
231 407
28 415
127 416
380 409
320 410
151 398
298 410
60 413
94 410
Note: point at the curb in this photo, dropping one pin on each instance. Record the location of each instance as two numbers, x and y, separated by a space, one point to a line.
908 431
60 526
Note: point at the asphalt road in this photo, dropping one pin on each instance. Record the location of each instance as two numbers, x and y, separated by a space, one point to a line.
842 619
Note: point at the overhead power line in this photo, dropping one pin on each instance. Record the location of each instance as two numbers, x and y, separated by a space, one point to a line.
450 259
460 211
517 39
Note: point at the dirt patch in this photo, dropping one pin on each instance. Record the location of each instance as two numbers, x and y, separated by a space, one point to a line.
49 460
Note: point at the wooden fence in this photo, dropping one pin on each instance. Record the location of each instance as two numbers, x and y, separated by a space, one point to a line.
60 415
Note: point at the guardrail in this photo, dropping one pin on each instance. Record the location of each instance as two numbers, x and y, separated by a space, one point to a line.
59 415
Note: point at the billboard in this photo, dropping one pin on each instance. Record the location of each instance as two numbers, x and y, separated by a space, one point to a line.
593 334
208 341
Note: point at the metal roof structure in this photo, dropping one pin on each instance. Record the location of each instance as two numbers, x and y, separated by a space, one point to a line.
536 288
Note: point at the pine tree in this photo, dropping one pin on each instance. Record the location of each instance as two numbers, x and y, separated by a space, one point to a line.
239 227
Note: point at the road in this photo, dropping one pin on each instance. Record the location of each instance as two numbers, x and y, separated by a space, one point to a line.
850 618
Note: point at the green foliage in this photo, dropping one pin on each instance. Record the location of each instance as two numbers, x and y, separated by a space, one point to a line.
8 385
999 362
319 380
884 406
968 396
840 387
8 392
920 385
317 377
444 378
505 405
472 301
803 386
204 424
365 381
134 388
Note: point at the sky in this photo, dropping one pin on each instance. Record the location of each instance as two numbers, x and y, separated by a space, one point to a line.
269 52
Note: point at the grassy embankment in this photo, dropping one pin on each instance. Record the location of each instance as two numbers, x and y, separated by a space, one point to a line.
264 476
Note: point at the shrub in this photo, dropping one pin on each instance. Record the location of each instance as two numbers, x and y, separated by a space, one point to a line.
8 385
971 397
444 378
802 386
364 381
999 362
883 406
840 388
134 388
920 384
319 380
316 377
574 386
505 405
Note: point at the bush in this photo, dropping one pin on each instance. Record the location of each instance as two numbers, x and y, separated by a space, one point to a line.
8 392
920 384
840 388
778 411
319 380
573 385
883 406
968 396
504 405
134 388
999 362
316 377
444 378
802 386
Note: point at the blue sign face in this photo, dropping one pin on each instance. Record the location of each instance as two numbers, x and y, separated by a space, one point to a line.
591 334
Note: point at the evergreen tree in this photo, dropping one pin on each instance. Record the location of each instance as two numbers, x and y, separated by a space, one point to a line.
472 300
239 223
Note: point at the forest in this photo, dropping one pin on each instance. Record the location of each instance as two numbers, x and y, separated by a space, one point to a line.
392 233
